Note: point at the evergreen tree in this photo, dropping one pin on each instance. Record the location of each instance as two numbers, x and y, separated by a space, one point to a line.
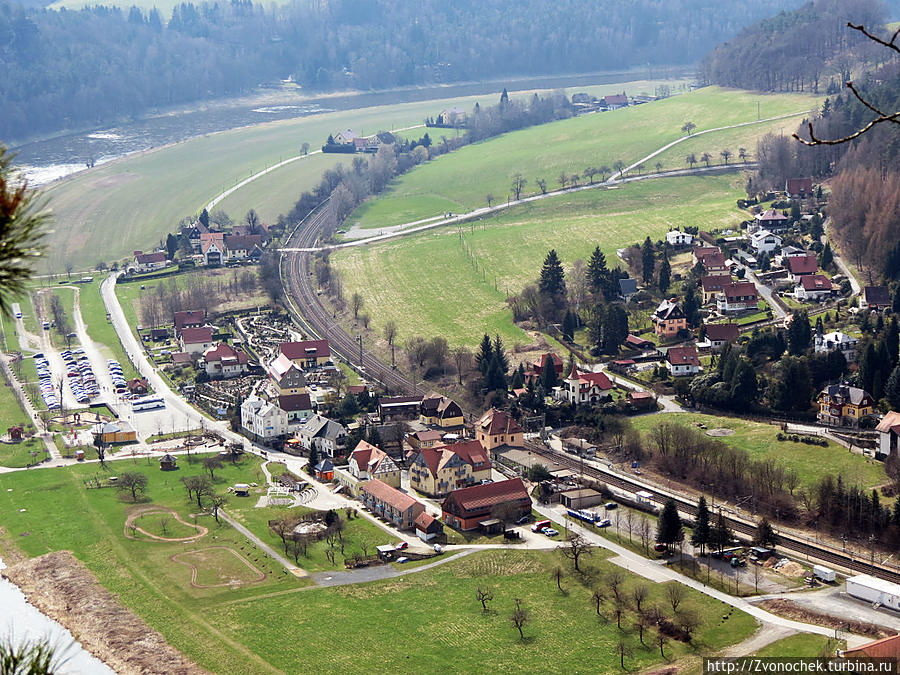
502 358
799 333
665 275
701 534
615 328
892 341
669 530
867 368
171 246
892 391
549 377
820 327
827 257
721 534
313 458
744 385
596 270
896 299
553 280
518 378
569 325
765 534
374 436
485 354
648 260
204 218
691 304
504 98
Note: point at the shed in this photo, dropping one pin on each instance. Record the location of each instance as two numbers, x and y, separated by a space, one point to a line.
386 551
427 526
581 498
242 489
324 470
15 433
167 462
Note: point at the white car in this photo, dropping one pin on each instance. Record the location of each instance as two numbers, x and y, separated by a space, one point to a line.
550 532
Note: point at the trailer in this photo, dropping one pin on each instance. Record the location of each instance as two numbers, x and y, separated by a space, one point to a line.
824 573
878 592
16 310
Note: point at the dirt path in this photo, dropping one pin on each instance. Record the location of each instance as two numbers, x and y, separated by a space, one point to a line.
766 635
261 576
129 523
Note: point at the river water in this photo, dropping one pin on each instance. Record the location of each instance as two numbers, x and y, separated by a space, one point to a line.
44 161
22 621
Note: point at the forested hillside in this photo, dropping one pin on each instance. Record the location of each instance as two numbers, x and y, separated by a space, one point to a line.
65 69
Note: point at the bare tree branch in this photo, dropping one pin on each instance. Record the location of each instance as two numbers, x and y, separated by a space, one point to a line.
875 38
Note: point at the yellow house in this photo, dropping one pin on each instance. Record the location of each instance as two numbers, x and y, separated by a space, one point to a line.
368 462
307 354
842 405
713 284
439 471
496 428
440 411
669 318
118 431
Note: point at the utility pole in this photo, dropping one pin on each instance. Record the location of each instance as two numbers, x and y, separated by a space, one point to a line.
359 340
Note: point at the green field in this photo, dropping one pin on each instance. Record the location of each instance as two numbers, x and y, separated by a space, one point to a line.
268 627
811 462
801 644
113 209
430 285
460 181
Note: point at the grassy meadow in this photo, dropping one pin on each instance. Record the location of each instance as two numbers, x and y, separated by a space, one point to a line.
131 203
431 285
461 180
760 440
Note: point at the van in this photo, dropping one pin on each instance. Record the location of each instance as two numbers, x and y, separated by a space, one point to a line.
540 525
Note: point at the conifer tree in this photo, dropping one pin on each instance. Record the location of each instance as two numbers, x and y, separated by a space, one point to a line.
701 534
669 530
648 260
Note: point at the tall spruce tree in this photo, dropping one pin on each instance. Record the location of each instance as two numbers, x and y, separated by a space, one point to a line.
615 328
721 534
500 354
596 270
799 333
553 280
485 354
648 260
664 278
701 534
669 529
892 391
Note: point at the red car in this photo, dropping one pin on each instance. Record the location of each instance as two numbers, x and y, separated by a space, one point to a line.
402 545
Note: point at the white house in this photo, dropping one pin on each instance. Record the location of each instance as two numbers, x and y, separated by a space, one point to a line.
738 296
682 361
263 420
813 288
836 341
195 341
764 241
888 432
223 361
147 262
585 387
368 462
677 238
297 407
345 137
327 436
212 247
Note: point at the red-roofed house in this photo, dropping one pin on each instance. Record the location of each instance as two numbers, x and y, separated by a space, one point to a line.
307 354
814 287
427 438
367 462
738 296
586 387
297 406
242 246
772 220
888 433
720 333
712 284
286 376
195 341
537 368
212 247
467 508
437 471
683 361
615 101
712 262
428 527
801 266
496 428
799 188
223 361
191 318
396 507
636 342
885 648
147 262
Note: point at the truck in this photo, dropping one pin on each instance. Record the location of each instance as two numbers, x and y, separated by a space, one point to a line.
875 591
824 573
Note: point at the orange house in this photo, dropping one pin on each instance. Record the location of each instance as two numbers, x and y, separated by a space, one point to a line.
669 318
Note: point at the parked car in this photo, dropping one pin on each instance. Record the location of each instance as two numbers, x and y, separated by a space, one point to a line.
606 522
401 546
550 532
609 506
660 547
523 520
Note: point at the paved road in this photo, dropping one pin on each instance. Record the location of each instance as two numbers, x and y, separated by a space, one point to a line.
778 311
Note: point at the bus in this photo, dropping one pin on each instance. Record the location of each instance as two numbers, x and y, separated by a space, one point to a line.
148 403
17 311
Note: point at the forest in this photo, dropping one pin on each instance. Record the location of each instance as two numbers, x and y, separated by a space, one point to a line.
70 69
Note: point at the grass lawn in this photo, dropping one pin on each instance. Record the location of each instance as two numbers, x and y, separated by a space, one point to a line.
442 623
454 281
461 180
123 210
802 644
809 461
18 455
93 311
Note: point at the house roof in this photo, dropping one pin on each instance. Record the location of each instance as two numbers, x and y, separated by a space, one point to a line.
427 435
358 388
399 401
424 521
639 395
294 402
479 497
325 465
167 459
195 336
771 216
436 405
306 349
385 493
281 366
539 365
714 283
471 452
700 251
668 309
238 242
877 295
586 380
888 647
367 456
683 356
318 426
209 238
847 394
816 282
616 99
712 259
137 384
722 331
889 422
803 264
739 289
181 358
498 422
147 258
759 235
795 186
190 316
635 341
223 352
627 286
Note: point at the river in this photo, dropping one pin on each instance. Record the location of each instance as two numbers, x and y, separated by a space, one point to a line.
21 621
46 160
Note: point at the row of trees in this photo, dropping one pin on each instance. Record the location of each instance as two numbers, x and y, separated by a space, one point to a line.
159 304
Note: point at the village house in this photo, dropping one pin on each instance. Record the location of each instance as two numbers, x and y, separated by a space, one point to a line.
325 435
191 318
224 361
437 471
297 407
814 288
195 341
242 246
681 361
477 506
536 369
424 438
615 101
368 462
148 262
836 341
116 431
308 354
802 266
498 427
799 188
712 284
263 421
398 508
888 433
428 527
637 342
454 116
345 137
719 334
841 405
669 318
627 288
399 408
677 238
738 296
875 297
439 411
137 386
212 248
641 400
585 387
286 377
771 220
764 241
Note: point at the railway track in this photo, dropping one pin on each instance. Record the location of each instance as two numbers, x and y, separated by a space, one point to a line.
785 540
303 300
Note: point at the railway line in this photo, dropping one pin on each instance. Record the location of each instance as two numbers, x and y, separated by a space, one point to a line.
303 301
785 540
